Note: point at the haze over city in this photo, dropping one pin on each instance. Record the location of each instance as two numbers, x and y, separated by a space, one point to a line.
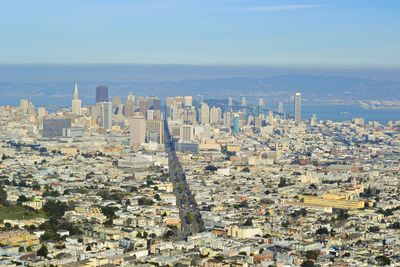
225 133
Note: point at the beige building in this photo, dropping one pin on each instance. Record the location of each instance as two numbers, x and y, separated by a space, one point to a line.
137 129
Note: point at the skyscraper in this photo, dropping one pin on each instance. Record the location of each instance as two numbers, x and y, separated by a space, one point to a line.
155 131
204 114
187 101
106 115
76 102
297 107
236 124
130 102
101 94
137 129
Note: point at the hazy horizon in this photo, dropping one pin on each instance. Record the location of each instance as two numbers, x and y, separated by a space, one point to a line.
112 72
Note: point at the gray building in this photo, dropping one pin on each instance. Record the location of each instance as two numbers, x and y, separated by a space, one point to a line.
101 94
54 127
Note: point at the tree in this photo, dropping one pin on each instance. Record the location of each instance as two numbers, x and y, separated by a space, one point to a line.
382 260
36 186
55 209
248 222
143 201
246 169
109 211
43 251
211 168
3 196
21 199
322 231
282 182
312 255
157 197
307 263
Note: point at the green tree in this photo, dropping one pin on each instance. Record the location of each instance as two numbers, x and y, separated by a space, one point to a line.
3 196
382 260
42 252
21 199
55 209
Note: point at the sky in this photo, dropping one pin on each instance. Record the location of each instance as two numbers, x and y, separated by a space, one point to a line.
340 33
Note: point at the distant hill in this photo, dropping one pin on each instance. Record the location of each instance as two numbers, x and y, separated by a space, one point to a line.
318 87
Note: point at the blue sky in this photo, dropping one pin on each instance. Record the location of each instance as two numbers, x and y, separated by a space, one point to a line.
346 33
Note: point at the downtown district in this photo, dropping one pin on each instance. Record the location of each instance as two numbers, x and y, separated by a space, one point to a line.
137 182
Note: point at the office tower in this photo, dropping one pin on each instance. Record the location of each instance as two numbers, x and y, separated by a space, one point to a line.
106 115
143 106
280 107
297 107
128 108
41 112
186 133
101 94
313 120
230 102
31 108
23 105
215 115
187 101
227 119
270 118
54 127
137 129
155 131
76 102
204 114
236 124
153 103
261 102
198 102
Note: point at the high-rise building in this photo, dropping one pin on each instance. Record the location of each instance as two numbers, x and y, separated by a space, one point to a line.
187 101
215 115
76 102
270 118
106 115
128 108
101 94
204 114
41 112
297 107
23 105
236 125
137 129
54 127
153 103
230 102
186 133
227 119
155 131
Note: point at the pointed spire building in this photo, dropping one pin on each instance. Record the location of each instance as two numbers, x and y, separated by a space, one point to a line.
76 102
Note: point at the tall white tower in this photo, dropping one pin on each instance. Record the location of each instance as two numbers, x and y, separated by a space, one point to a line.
297 107
76 102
